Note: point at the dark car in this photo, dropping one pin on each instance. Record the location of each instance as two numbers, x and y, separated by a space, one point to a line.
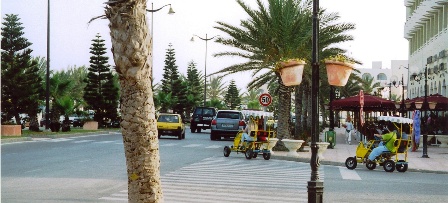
202 118
226 124
78 122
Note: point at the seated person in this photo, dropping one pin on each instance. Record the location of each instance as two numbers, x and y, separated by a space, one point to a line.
246 137
387 145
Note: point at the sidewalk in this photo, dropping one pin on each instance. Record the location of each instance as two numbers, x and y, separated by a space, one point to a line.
437 161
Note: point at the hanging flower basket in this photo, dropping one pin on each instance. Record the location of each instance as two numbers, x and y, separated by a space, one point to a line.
291 72
338 72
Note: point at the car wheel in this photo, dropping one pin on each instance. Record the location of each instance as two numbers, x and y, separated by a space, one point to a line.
158 136
255 154
226 151
351 163
179 136
198 130
183 135
212 136
193 129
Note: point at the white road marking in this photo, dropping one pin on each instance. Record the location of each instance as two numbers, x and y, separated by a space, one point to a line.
348 174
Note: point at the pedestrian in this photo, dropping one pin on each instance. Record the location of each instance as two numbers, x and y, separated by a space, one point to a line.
348 131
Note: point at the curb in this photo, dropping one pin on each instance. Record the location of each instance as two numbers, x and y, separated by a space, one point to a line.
333 163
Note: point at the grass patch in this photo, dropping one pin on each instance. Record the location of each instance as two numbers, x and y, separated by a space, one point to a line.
49 134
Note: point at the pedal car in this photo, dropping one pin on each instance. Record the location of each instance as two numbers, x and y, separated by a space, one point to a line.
260 143
390 160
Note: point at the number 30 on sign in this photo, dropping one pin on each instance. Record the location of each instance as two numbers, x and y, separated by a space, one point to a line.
265 99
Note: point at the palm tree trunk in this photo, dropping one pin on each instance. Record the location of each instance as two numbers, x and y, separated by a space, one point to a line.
298 129
284 111
131 44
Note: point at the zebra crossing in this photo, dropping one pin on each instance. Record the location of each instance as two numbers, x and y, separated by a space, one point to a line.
234 179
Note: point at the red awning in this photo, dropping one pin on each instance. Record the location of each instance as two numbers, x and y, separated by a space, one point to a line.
371 103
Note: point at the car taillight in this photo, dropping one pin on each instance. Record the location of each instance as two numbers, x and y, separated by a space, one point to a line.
214 122
242 123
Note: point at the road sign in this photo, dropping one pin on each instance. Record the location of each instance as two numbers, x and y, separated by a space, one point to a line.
265 99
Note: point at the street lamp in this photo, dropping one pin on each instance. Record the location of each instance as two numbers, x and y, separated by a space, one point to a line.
331 108
315 185
423 106
152 11
205 64
47 91
396 84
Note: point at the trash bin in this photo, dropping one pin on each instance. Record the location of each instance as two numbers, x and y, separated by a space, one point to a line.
330 137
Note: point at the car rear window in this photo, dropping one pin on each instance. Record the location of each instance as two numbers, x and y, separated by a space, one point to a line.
231 115
204 112
168 118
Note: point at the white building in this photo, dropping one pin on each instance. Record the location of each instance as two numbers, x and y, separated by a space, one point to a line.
426 29
390 78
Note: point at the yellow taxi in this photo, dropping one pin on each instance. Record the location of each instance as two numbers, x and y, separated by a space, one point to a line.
171 125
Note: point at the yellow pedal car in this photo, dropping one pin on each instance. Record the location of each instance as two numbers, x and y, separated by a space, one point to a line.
259 145
397 159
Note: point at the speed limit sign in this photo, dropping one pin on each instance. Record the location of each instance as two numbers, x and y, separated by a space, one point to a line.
265 99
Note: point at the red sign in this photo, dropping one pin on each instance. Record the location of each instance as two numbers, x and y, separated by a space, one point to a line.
361 110
361 98
265 99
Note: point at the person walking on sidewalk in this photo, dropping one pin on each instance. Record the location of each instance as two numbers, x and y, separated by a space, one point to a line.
348 131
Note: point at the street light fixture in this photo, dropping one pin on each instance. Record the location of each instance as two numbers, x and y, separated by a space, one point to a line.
423 106
206 39
152 11
396 84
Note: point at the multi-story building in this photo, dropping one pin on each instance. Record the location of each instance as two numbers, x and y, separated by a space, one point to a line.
426 29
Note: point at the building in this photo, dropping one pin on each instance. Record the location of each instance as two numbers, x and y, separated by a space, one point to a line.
426 30
393 80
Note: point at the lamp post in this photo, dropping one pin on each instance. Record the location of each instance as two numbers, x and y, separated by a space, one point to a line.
206 39
315 185
397 84
337 95
152 11
331 108
423 106
47 85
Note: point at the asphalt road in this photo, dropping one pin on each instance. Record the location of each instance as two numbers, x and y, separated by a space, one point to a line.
92 169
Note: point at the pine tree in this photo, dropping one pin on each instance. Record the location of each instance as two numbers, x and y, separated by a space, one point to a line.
22 88
100 92
232 98
194 87
172 83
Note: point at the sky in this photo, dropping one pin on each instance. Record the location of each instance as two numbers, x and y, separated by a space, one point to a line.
378 35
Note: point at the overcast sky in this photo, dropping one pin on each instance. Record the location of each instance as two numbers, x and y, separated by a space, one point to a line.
378 35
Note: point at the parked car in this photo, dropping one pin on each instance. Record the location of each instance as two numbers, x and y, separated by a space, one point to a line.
202 118
226 124
171 125
78 122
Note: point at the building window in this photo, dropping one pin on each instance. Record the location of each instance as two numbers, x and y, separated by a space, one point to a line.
381 76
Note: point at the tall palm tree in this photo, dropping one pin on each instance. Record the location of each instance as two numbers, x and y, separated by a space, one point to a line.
280 31
131 48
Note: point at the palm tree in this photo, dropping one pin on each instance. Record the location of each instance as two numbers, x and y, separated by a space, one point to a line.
275 33
216 89
131 47
368 86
